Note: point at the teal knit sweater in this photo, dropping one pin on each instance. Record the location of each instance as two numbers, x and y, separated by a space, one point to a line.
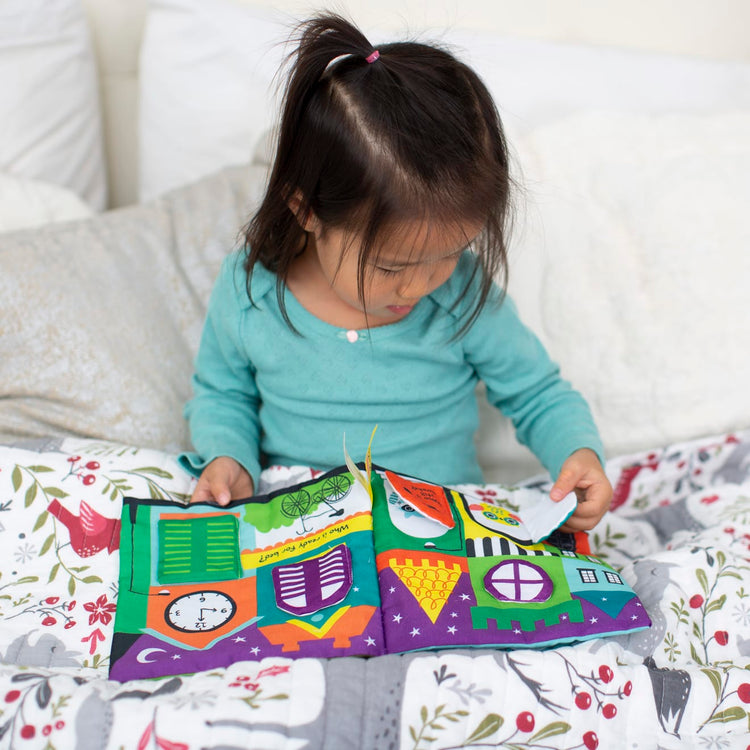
265 395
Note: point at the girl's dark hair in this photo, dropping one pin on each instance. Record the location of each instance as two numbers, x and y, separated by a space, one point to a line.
364 146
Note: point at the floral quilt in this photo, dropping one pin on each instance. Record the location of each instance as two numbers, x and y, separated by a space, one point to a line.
678 532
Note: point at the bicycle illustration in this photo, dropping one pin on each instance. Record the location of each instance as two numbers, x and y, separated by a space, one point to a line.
301 504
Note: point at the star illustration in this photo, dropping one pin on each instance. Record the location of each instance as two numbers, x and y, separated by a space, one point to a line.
175 657
465 597
239 639
254 650
594 620
391 589
414 631
638 604
397 618
452 630
370 641
516 631
454 614
633 617
604 598
355 588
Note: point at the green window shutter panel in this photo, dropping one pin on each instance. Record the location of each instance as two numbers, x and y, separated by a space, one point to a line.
199 549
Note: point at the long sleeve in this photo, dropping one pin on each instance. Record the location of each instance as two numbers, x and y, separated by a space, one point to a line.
549 416
224 411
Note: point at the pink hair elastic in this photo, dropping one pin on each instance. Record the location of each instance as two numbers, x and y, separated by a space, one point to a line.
374 55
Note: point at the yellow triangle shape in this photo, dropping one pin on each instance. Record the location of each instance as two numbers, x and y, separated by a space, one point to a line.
430 583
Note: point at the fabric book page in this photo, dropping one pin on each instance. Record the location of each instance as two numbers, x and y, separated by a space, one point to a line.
321 570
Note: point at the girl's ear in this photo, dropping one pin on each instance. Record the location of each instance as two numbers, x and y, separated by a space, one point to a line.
307 220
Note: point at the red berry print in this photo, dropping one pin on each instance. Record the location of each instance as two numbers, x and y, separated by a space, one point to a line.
12 695
92 465
28 731
47 730
59 724
696 601
49 620
591 740
52 600
73 459
583 700
628 688
609 710
89 479
70 624
605 673
743 691
525 721
722 637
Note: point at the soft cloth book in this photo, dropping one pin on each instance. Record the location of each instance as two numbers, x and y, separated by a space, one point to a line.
340 567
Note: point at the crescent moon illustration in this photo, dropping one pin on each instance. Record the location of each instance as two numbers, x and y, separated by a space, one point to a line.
143 655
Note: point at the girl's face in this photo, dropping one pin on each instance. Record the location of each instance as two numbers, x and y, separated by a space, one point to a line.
410 264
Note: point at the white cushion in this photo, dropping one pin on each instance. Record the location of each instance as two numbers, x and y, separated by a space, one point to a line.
50 127
207 95
28 203
634 268
101 318
207 88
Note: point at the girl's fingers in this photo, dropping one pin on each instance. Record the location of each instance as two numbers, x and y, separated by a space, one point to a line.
212 487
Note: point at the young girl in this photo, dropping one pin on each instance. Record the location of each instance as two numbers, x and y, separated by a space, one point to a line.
365 292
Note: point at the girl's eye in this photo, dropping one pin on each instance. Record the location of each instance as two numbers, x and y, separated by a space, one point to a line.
389 271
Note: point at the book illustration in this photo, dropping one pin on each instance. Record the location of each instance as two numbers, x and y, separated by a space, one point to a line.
321 570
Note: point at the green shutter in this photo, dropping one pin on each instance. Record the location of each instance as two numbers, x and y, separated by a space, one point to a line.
199 549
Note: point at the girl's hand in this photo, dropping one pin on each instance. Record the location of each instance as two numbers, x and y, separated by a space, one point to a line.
221 481
583 473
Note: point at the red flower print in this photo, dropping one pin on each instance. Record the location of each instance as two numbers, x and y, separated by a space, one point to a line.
100 610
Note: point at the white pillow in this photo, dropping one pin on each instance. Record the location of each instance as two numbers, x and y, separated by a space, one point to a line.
207 68
206 88
101 319
50 126
29 203
635 266
535 83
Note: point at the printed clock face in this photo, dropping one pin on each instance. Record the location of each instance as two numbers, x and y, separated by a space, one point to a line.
200 611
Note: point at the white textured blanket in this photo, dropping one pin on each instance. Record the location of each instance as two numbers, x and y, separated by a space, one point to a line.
679 531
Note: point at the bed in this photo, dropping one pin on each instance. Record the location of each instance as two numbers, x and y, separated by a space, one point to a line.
630 263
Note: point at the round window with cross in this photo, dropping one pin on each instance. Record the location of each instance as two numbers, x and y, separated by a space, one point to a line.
518 581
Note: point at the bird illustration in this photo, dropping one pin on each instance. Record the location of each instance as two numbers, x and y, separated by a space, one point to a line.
624 483
667 520
45 651
651 581
671 692
736 469
90 532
